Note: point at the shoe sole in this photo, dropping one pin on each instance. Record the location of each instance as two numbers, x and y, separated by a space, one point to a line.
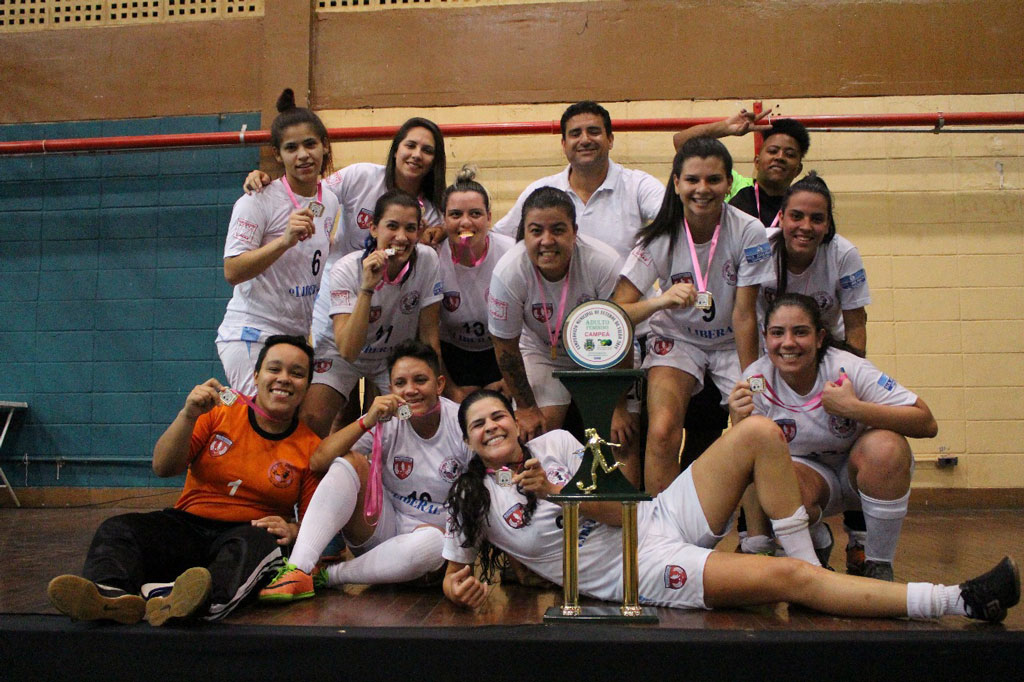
190 591
79 598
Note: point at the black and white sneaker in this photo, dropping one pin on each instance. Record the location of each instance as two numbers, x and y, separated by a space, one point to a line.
988 596
825 553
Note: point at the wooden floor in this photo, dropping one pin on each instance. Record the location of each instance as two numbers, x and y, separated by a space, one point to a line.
37 544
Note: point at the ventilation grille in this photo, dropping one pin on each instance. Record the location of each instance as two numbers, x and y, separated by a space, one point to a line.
35 15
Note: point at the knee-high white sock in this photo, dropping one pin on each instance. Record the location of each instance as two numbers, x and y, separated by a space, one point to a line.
791 532
396 560
927 600
328 511
884 520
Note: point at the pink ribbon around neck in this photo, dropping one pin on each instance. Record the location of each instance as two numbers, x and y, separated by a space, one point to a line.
291 195
698 275
398 278
557 331
464 246
757 201
252 403
375 480
812 404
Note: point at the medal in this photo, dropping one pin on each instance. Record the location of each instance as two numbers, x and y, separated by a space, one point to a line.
504 477
228 397
317 208
704 300
756 384
390 251
404 412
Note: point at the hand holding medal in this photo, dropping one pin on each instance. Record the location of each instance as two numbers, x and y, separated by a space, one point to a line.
203 398
300 226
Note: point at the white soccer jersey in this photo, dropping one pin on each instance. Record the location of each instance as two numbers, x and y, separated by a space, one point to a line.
280 299
418 472
835 279
627 200
742 258
357 188
539 544
515 306
809 429
464 306
394 308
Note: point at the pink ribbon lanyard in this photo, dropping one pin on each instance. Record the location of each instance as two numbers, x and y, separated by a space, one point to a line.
374 481
464 246
374 484
553 334
757 201
252 403
698 275
291 195
397 281
812 404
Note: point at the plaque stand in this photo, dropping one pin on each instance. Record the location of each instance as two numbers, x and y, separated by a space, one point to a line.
599 480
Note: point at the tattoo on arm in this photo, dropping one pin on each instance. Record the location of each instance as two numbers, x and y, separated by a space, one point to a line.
512 367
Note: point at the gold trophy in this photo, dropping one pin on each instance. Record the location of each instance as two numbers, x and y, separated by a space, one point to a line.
597 335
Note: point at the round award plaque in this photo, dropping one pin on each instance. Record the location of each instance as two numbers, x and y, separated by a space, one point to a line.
597 334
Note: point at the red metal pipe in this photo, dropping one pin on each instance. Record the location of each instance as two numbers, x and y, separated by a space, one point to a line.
937 120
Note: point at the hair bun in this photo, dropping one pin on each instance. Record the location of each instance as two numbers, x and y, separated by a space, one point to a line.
466 174
286 101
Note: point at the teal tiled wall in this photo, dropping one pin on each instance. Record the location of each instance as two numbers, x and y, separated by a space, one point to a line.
111 291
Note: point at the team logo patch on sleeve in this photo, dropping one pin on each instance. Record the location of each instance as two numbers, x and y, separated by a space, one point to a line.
756 254
219 445
281 474
410 302
788 427
451 301
450 469
438 287
853 281
642 255
886 382
675 577
823 299
684 277
341 297
514 516
729 273
244 230
497 309
402 466
364 219
321 365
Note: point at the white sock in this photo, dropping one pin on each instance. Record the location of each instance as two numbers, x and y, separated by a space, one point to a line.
396 560
884 520
927 600
329 510
791 532
757 544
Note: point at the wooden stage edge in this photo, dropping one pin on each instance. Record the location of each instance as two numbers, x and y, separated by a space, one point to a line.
921 499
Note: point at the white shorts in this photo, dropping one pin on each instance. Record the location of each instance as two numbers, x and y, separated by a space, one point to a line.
341 375
841 494
723 364
390 523
675 541
547 390
239 361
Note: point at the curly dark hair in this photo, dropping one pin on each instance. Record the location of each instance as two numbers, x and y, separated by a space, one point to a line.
469 501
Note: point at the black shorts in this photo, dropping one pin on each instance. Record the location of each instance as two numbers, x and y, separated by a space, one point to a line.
470 368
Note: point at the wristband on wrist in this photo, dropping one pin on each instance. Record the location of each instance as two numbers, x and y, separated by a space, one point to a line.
362 424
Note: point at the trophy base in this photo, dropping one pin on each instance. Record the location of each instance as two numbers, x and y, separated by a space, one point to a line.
601 613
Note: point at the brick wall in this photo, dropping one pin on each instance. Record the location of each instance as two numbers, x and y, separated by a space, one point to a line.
111 290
